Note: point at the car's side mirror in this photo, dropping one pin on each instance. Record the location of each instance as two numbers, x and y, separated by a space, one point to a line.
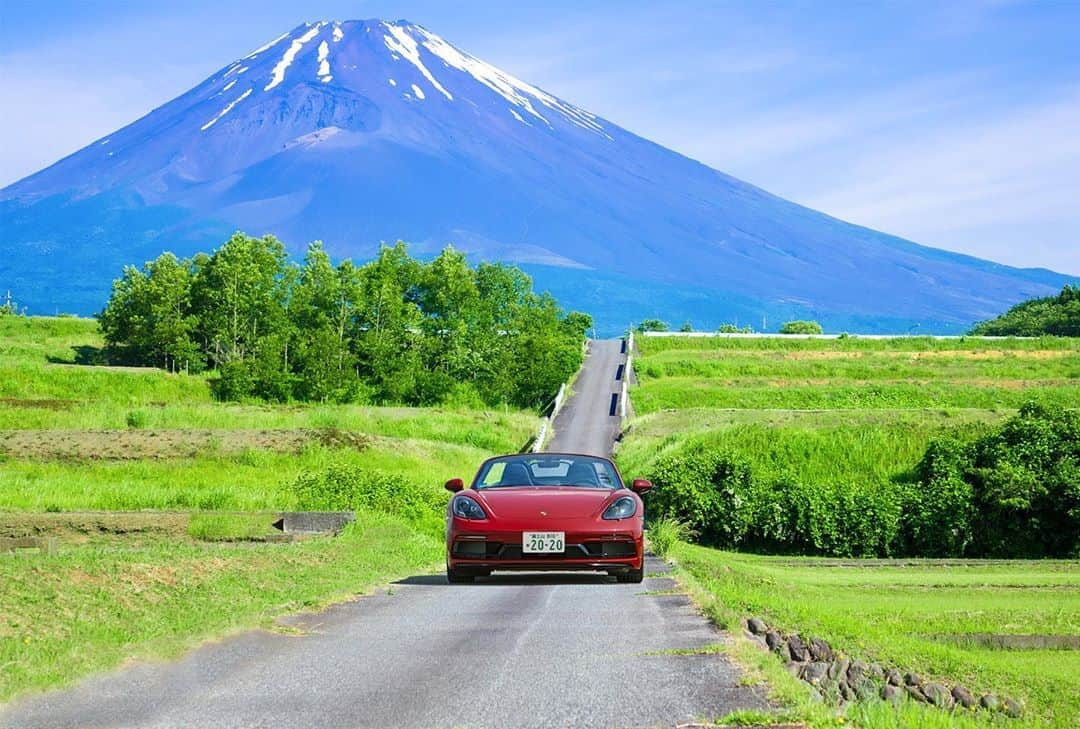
640 486
455 485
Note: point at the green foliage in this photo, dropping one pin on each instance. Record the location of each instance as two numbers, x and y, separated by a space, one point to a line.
686 327
1054 315
393 330
149 318
652 325
708 491
1012 492
137 419
801 327
733 329
666 532
8 307
347 487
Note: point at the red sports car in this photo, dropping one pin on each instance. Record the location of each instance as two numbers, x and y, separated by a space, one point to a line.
545 511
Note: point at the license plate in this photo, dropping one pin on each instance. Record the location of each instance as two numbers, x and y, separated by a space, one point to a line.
543 542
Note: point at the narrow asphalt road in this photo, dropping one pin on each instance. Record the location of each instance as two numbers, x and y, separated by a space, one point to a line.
586 424
520 650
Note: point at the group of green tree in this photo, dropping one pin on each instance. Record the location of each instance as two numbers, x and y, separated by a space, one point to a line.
1013 491
394 330
1057 316
791 327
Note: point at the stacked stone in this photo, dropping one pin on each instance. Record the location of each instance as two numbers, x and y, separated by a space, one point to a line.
837 679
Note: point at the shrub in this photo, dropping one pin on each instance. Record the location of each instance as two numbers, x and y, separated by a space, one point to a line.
1025 481
663 533
938 506
653 325
138 419
801 327
345 487
708 491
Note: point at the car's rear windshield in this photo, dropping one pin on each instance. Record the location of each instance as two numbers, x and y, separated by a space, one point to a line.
548 470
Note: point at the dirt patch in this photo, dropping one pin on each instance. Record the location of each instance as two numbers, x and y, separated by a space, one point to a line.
1012 642
81 527
130 445
37 403
970 354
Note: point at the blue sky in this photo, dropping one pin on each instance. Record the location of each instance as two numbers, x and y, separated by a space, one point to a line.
953 124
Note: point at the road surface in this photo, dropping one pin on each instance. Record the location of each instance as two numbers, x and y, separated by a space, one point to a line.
512 650
586 423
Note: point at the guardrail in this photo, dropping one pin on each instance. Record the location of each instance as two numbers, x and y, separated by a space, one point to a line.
545 423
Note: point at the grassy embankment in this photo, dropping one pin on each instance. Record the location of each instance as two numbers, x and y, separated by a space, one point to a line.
121 440
846 411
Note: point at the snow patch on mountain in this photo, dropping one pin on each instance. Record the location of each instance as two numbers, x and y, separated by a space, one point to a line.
278 74
226 110
324 63
404 44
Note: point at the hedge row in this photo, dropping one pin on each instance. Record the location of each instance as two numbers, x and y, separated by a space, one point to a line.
1014 492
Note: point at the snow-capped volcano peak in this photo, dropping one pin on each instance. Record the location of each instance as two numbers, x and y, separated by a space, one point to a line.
327 50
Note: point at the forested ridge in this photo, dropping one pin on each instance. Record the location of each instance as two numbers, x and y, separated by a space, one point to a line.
394 330
1057 316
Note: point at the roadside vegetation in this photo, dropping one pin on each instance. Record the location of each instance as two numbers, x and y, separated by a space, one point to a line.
855 449
160 499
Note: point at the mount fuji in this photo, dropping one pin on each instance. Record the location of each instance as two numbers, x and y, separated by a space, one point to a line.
360 132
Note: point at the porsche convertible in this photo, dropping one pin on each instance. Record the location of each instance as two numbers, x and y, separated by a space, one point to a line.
545 511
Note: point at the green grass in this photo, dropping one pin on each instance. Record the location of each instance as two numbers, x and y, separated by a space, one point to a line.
830 446
91 607
652 345
246 482
904 614
82 438
861 413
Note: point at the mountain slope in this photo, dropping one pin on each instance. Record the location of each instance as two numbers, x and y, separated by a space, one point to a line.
367 131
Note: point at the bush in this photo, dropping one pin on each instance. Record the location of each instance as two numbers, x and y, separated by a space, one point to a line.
1015 492
138 419
344 487
801 327
665 532
707 491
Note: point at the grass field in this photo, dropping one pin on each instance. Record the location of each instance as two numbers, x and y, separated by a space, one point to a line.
920 616
172 562
861 412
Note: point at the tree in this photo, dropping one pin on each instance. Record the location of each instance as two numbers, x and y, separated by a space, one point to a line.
652 325
240 296
801 327
323 310
733 329
1054 316
149 318
388 333
686 327
394 330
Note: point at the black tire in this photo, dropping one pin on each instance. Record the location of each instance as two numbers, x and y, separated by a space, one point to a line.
454 577
631 576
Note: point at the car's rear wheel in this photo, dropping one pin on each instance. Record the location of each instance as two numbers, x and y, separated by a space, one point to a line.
634 576
456 577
